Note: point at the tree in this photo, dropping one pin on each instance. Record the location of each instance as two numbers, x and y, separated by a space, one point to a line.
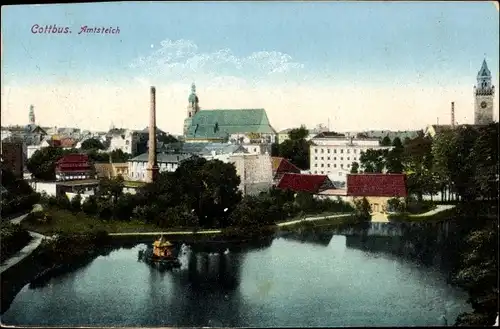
111 188
373 161
42 163
485 154
76 203
354 168
362 210
298 133
386 141
92 144
296 151
89 206
394 157
118 156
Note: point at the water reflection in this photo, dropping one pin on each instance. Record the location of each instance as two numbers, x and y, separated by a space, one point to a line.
287 281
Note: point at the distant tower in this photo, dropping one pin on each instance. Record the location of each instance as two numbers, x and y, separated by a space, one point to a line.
192 109
152 168
484 93
32 115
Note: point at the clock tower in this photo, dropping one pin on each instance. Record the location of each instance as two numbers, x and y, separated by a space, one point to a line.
484 92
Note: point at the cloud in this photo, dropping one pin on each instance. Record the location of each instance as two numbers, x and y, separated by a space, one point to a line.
182 59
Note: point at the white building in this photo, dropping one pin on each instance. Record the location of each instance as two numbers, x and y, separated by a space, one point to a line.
253 148
333 156
137 167
125 140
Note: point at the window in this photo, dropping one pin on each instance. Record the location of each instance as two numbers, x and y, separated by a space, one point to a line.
315 172
334 150
322 158
335 158
328 158
322 165
328 165
348 166
354 151
334 166
322 151
354 158
341 159
342 165
315 150
315 164
315 158
342 151
347 158
322 172
348 151
328 151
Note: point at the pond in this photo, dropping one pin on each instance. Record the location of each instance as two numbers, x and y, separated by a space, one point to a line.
287 281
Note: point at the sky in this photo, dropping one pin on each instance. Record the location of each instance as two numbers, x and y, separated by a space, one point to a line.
350 65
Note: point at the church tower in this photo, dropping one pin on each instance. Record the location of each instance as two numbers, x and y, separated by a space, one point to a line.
32 115
192 109
484 92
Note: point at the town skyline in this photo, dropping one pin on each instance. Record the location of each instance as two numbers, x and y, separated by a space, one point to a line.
364 77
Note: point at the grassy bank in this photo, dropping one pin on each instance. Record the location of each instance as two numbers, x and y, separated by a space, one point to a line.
412 218
13 238
76 223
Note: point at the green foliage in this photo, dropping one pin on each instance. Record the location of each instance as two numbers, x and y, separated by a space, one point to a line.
12 239
478 274
395 205
362 210
467 159
373 161
63 202
76 203
355 168
20 196
90 206
295 149
386 141
42 163
298 133
111 188
92 144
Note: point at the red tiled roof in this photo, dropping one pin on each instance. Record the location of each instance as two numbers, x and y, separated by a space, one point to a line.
73 158
304 183
282 165
388 185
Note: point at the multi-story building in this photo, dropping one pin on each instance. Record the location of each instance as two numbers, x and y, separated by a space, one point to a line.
137 167
13 157
74 167
333 155
122 139
255 171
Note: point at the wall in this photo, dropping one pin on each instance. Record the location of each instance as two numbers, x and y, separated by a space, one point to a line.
48 187
13 157
255 171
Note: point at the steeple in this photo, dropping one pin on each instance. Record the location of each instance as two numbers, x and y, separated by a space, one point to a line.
193 98
484 72
32 115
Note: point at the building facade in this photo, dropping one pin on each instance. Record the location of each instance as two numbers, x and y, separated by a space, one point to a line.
137 167
13 157
484 93
255 171
74 167
333 156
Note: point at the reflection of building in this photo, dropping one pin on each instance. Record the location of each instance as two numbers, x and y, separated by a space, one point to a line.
334 156
74 166
12 157
376 188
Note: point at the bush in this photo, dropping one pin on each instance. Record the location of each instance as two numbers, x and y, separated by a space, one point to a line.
76 203
63 202
89 206
12 238
362 210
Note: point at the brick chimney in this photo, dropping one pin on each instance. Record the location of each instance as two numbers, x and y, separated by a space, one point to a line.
452 114
152 169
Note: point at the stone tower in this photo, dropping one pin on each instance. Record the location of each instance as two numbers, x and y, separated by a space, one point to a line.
152 168
192 109
484 92
32 115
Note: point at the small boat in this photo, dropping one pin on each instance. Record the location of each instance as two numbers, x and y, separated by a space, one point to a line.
161 255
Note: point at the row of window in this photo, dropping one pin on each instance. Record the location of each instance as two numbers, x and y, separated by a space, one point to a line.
335 158
335 151
340 173
334 165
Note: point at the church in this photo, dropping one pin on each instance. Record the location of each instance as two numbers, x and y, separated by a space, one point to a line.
226 125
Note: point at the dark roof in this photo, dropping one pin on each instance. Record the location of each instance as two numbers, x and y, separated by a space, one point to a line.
78 158
329 134
386 185
219 124
162 158
304 183
282 165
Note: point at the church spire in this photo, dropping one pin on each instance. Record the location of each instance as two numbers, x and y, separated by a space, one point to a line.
484 71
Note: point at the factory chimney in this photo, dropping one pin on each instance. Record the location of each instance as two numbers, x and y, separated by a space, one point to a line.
452 115
152 169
